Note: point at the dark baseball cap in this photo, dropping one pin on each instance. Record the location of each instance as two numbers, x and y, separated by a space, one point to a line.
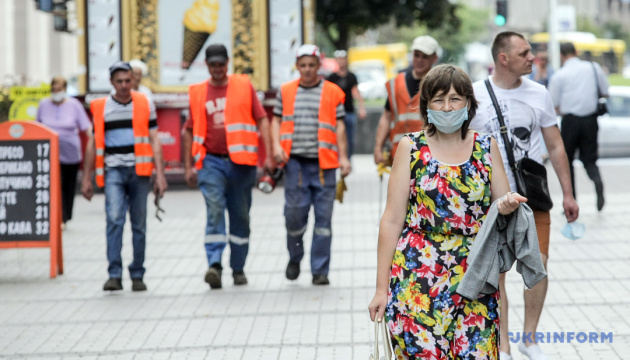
216 53
119 65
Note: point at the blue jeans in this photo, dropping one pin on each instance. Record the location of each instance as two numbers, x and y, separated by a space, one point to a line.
350 121
306 185
226 185
124 190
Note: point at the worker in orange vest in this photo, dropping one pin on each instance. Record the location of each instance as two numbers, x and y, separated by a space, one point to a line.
125 148
221 140
309 137
402 109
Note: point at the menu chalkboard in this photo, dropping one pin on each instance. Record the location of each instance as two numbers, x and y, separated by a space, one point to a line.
25 190
30 195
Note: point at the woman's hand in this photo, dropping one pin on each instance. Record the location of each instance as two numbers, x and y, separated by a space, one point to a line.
378 305
509 202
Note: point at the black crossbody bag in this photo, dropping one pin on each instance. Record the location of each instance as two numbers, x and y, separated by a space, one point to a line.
531 177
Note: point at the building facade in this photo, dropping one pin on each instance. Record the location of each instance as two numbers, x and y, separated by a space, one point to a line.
32 51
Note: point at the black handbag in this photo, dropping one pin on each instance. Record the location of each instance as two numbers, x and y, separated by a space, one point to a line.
602 108
531 176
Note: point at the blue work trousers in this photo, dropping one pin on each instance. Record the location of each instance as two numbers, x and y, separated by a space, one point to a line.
227 186
305 185
126 191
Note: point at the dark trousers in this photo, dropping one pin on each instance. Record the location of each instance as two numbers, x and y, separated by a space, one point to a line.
68 188
580 133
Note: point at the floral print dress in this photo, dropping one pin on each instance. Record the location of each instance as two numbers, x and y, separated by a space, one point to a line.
447 205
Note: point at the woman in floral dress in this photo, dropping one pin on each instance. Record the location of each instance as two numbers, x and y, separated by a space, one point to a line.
438 196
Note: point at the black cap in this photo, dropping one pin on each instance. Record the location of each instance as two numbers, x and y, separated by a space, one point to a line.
119 65
216 53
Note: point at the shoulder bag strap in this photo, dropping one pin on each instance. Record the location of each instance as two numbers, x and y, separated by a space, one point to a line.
504 129
599 93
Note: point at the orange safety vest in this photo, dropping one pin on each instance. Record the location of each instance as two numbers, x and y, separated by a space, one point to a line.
142 143
240 125
406 116
331 96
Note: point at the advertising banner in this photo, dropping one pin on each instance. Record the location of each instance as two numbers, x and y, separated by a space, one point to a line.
103 42
186 28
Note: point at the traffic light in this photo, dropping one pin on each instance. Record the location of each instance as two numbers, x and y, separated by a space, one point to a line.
502 12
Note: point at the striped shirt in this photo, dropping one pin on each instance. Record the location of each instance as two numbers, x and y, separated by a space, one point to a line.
119 139
306 118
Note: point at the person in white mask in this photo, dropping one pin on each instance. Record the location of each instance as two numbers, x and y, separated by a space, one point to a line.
443 181
68 118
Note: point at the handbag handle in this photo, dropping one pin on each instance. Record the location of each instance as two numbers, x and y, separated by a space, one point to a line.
385 339
504 129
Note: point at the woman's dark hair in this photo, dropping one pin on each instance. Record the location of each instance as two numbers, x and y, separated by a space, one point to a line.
439 81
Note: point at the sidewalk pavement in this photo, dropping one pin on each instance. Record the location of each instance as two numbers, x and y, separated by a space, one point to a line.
179 317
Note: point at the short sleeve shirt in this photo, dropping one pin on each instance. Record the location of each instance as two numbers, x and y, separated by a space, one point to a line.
526 110
346 83
67 119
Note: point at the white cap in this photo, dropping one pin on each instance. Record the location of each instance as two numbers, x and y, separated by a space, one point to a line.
425 44
139 64
307 50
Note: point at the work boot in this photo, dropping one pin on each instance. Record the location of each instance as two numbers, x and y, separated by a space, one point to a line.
138 285
293 270
213 277
113 284
239 278
319 279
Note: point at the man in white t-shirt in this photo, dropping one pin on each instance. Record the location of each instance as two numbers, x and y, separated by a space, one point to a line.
530 117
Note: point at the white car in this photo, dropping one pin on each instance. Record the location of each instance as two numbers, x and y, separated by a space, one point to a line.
614 127
371 78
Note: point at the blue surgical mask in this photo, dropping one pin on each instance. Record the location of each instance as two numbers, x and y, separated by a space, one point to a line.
448 121
573 230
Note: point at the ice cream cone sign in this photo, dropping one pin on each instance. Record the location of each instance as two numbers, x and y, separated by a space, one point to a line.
200 21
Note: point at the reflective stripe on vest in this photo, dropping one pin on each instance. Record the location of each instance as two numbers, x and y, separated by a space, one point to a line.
240 126
330 98
143 151
406 116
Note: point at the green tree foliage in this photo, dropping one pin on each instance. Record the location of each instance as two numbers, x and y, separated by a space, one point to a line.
339 18
473 27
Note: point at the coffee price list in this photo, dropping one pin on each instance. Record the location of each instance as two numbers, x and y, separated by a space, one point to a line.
25 190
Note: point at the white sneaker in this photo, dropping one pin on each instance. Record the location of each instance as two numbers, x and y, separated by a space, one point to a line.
533 352
504 356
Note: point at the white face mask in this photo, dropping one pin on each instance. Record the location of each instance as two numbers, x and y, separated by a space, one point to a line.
448 121
58 96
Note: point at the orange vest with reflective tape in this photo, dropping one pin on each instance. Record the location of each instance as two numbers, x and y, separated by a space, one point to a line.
405 111
331 97
142 143
240 125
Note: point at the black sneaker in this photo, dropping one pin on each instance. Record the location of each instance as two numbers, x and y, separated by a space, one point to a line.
213 277
293 270
138 285
113 284
239 278
320 280
599 189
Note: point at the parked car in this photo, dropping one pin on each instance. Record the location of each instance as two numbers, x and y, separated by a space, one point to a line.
371 77
614 127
